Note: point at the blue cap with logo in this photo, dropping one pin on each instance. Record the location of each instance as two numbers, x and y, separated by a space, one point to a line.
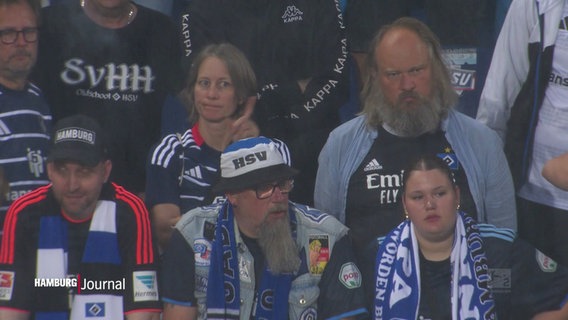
78 138
250 162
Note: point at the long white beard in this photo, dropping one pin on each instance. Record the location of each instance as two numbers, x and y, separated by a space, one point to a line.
280 250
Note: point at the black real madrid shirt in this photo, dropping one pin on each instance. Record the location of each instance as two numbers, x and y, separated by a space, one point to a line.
374 205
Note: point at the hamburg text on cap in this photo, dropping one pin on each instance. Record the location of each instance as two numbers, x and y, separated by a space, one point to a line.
75 134
78 138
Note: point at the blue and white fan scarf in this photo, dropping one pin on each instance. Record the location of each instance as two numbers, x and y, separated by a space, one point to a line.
223 289
101 247
397 274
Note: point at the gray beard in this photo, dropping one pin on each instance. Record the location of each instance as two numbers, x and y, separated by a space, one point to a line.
280 250
411 121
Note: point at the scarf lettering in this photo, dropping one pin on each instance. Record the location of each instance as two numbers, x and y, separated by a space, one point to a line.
228 269
480 268
397 274
400 290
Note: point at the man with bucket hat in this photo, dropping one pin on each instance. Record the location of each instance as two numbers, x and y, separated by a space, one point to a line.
257 255
80 247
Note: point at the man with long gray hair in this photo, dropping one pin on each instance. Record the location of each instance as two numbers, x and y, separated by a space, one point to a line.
408 110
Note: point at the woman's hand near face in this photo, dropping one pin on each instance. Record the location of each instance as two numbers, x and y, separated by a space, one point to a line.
244 126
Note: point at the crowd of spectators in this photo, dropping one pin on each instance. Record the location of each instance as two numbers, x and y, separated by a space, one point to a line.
174 99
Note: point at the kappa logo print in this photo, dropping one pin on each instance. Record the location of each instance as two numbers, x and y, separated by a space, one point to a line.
373 165
292 14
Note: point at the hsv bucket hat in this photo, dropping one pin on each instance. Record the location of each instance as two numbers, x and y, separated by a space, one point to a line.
250 162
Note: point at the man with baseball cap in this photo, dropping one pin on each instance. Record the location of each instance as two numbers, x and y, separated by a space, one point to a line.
80 247
257 255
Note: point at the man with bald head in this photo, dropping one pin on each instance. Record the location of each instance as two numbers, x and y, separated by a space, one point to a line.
408 110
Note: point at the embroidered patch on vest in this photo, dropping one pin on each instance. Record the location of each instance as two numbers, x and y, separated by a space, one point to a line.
318 253
202 251
200 283
245 268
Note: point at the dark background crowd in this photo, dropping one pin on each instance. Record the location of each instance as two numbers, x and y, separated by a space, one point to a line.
348 89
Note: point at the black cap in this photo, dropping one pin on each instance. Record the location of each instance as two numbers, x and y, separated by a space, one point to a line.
79 139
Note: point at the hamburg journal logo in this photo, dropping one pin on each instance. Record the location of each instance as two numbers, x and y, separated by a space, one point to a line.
81 284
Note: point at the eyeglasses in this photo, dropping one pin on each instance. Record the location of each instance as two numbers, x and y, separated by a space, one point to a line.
266 190
10 36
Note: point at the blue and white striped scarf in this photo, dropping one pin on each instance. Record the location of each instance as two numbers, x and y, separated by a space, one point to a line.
397 274
101 247
223 286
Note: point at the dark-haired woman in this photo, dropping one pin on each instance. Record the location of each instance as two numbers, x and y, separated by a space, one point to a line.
441 264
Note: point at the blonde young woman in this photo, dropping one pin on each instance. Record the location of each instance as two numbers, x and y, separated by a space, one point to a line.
220 95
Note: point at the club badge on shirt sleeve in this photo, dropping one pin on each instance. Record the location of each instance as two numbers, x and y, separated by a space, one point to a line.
145 286
545 263
6 285
350 276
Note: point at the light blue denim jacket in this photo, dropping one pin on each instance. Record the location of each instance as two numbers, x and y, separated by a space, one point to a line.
477 147
304 290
